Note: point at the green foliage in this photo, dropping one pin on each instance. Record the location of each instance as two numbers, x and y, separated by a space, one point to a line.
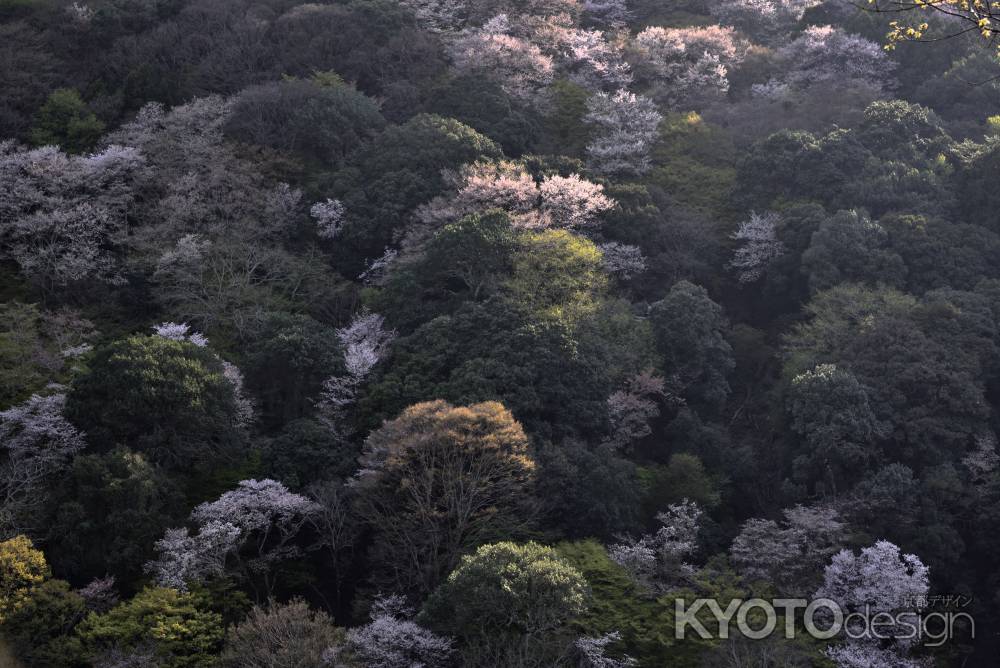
831 411
66 121
586 490
286 362
557 275
909 353
849 246
646 623
168 399
107 513
565 131
184 634
690 334
40 631
694 163
683 477
977 199
483 105
400 169
19 341
508 597
493 352
322 122
306 451
464 261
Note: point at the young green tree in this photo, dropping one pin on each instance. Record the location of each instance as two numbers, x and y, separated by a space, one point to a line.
178 627
66 121
510 602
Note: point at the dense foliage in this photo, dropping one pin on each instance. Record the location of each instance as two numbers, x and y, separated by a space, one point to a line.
439 333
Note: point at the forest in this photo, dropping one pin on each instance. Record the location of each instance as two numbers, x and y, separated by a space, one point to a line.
499 333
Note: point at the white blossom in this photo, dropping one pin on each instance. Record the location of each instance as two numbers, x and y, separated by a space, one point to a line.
268 517
180 332
591 652
824 54
983 462
880 577
189 251
631 408
689 66
518 66
329 217
376 271
364 342
792 555
38 442
656 561
760 246
100 594
623 260
185 558
626 126
863 654
438 15
244 405
585 57
763 19
566 202
573 202
63 218
391 640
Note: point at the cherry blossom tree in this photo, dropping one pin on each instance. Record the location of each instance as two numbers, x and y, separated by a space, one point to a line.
687 67
878 580
789 555
585 57
268 518
572 202
36 442
180 332
556 202
100 594
759 246
62 217
825 54
611 13
185 558
365 342
764 20
862 654
329 217
631 408
881 577
392 640
439 16
591 652
656 561
516 64
984 461
622 260
625 127
377 270
195 183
